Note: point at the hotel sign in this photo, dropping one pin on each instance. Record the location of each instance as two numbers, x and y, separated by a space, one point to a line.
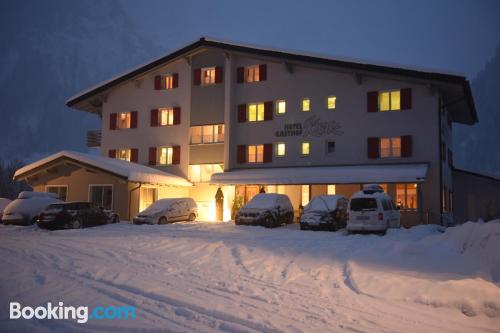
311 127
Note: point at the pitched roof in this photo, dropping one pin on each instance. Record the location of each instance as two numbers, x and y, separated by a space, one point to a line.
355 66
132 171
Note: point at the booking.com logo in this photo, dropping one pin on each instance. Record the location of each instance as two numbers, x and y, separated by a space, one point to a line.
79 313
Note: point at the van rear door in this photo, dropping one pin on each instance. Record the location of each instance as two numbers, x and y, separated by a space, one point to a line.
363 210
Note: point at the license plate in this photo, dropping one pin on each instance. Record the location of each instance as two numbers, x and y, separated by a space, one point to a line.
362 218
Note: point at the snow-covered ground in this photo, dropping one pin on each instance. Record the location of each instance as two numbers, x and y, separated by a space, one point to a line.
209 277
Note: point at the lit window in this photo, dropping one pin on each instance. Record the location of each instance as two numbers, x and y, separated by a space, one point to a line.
166 154
406 196
389 100
169 81
330 147
256 154
202 172
331 189
280 149
123 154
304 195
252 74
280 107
255 112
330 102
208 75
305 148
124 120
207 134
390 147
148 196
166 117
306 104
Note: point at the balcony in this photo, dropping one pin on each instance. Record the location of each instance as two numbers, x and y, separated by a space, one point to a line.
94 138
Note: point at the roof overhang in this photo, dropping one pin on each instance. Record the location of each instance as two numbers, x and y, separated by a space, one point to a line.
455 89
348 174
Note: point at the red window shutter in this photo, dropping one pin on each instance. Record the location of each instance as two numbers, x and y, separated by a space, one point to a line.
373 148
152 155
154 117
112 153
177 115
134 155
372 101
158 82
218 74
240 74
268 111
176 154
112 121
133 119
406 99
242 113
406 146
197 77
175 80
268 153
263 72
241 154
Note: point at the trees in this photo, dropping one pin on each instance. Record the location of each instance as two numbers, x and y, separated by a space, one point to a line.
8 187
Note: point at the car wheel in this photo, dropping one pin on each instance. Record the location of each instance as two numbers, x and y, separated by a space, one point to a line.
34 219
76 224
192 217
115 219
162 220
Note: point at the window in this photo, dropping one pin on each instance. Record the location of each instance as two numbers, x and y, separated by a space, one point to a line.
202 172
124 120
252 74
207 134
280 149
123 154
208 75
330 102
306 105
101 195
60 190
256 154
255 112
166 117
306 149
165 155
363 204
280 189
304 195
148 197
330 147
168 81
406 196
389 100
331 189
280 106
390 147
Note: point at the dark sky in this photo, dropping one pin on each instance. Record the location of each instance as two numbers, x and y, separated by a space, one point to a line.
452 35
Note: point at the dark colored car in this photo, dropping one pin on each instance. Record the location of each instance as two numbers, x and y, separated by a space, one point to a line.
266 209
72 215
325 212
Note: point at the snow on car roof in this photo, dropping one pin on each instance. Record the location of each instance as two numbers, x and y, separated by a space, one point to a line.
322 202
264 200
132 171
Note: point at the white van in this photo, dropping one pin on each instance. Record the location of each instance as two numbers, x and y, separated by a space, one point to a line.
372 210
167 211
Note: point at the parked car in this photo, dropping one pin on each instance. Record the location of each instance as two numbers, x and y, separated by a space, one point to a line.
167 211
25 209
112 216
72 215
266 209
3 203
325 212
372 210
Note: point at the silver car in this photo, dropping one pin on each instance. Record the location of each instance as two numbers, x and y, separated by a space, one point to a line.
167 211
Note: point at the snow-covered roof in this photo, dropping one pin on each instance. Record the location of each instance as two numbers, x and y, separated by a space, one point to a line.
382 173
132 171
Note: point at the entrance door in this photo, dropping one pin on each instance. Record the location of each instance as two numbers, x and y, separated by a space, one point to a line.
250 192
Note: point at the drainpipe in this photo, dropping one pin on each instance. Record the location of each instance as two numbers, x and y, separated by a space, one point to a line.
130 200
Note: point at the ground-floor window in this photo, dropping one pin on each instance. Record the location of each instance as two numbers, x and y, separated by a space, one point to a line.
330 189
148 196
203 172
60 190
305 195
101 195
406 196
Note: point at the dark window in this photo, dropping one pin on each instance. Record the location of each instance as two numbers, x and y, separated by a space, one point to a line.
102 195
360 204
330 147
61 191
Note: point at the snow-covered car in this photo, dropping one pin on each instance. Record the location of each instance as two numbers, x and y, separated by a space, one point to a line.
3 203
26 208
325 212
266 209
372 210
72 215
168 210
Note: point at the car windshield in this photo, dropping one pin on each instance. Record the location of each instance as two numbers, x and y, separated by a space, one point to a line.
363 204
56 207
